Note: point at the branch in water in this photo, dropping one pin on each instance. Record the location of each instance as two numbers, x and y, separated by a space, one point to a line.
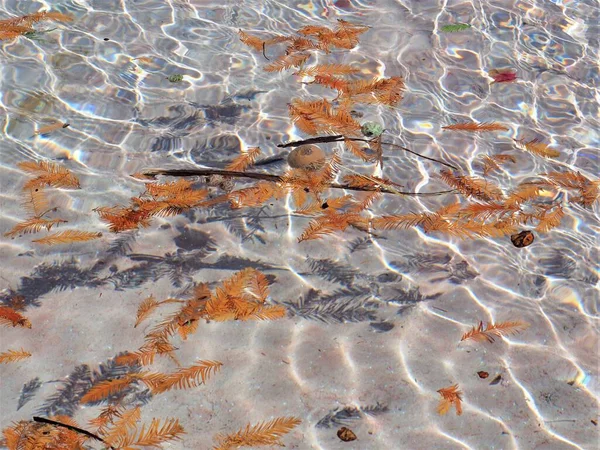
72 428
339 138
153 173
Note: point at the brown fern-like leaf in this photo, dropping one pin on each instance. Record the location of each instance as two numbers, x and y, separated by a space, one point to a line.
8 316
48 174
487 210
472 186
537 147
107 388
477 127
33 225
153 435
13 356
401 221
327 69
479 333
549 220
285 62
491 163
68 237
357 149
251 41
264 433
35 202
148 305
245 160
523 193
268 312
450 396
127 421
188 377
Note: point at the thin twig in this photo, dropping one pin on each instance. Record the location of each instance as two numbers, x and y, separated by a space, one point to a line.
72 428
339 138
263 52
153 173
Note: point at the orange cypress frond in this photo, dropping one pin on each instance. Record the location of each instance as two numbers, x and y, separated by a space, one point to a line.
105 389
158 190
387 91
270 312
523 193
154 435
188 377
264 433
478 333
358 150
68 237
327 70
148 305
330 82
487 210
127 420
8 316
477 127
368 181
33 225
258 287
491 163
106 417
404 221
314 30
30 19
550 220
588 194
253 196
13 356
5 35
35 202
367 201
48 174
245 160
567 180
285 62
251 41
537 147
301 44
471 186
450 396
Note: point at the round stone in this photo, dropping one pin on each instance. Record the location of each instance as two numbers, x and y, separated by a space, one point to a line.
371 129
308 157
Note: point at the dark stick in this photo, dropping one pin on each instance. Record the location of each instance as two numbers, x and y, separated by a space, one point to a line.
153 173
315 140
339 138
70 427
264 46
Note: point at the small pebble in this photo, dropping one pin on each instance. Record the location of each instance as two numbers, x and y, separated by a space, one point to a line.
522 239
175 78
307 157
371 129
346 434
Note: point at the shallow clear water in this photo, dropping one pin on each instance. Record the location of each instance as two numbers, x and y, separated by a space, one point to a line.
373 324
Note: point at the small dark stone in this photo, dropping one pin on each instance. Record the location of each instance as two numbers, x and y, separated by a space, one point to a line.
522 239
346 434
106 39
388 277
483 375
496 380
381 327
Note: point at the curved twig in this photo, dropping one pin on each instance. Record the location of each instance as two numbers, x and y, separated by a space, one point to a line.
153 173
340 138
